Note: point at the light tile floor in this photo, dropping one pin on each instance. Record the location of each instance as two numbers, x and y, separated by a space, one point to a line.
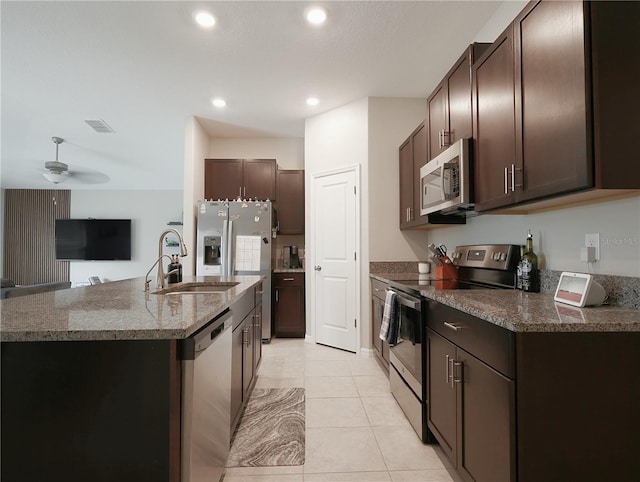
355 431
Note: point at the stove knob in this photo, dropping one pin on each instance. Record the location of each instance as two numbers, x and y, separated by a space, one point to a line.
503 257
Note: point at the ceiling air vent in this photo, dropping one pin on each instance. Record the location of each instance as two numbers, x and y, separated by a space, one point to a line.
100 126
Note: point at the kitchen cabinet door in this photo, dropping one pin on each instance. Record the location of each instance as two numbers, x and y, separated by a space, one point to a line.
289 315
378 295
441 394
222 178
237 349
406 183
494 125
247 355
449 112
290 206
259 177
437 119
550 100
412 155
247 178
486 450
257 332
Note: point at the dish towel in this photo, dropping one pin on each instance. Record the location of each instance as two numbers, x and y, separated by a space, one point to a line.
390 318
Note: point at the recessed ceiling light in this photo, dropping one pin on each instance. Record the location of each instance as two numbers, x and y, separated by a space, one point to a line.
313 101
316 15
205 19
219 102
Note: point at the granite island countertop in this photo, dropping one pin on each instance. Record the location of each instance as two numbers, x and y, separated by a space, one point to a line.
118 310
288 270
519 311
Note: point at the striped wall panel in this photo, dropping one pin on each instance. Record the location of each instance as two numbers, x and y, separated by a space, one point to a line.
29 231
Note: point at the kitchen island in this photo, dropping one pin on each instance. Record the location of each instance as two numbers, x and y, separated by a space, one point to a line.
91 379
520 388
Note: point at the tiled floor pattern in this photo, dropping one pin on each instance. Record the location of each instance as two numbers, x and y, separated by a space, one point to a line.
355 431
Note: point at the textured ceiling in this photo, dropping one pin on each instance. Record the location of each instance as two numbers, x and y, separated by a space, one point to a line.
144 67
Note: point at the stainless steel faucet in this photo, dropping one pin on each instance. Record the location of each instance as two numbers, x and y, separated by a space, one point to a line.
160 281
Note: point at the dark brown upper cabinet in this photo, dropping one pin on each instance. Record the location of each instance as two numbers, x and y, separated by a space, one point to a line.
449 113
413 155
246 178
290 206
552 103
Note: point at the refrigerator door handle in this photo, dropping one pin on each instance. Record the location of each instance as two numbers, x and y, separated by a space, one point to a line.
225 246
229 259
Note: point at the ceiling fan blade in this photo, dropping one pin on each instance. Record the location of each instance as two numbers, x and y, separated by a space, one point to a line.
89 177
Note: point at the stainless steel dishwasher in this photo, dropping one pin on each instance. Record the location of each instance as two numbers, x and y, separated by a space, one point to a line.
206 401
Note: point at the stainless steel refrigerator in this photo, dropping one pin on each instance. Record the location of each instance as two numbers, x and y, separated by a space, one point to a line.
234 238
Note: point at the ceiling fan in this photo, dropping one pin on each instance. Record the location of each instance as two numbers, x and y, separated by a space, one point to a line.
58 172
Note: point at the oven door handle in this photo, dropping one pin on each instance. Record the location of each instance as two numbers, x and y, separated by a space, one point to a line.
409 303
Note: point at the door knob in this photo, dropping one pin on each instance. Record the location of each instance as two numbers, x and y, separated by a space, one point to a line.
317 268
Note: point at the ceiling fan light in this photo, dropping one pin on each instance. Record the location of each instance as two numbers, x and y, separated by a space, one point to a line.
56 177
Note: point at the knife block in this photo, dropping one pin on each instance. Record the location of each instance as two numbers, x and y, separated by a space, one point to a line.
447 272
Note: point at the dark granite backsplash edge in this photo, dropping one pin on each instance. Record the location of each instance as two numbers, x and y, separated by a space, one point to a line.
622 290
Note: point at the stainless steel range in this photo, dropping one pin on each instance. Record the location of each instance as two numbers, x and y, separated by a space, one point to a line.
477 266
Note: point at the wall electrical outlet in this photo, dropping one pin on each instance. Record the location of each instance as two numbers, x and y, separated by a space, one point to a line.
593 241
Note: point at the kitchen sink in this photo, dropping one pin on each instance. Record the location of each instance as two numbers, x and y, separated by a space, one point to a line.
195 288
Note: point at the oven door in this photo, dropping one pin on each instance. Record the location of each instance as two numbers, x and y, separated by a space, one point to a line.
407 353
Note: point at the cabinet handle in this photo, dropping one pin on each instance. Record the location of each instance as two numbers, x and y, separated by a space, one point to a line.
455 380
244 191
446 134
513 177
276 296
259 292
245 337
506 180
450 362
288 279
452 326
447 370
240 191
410 214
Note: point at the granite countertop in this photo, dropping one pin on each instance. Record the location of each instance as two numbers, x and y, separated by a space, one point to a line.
118 310
519 311
288 270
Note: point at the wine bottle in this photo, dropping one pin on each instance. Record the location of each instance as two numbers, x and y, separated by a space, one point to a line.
530 278
519 268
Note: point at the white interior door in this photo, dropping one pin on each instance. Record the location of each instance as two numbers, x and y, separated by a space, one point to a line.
335 276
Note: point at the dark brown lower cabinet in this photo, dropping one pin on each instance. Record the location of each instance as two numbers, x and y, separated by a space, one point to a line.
380 347
532 406
91 410
246 350
470 412
288 305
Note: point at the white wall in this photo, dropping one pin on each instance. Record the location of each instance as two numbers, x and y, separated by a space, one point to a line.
503 15
2 204
149 211
196 147
559 235
287 151
391 120
335 139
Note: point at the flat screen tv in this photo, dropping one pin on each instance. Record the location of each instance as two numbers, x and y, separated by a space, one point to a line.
93 239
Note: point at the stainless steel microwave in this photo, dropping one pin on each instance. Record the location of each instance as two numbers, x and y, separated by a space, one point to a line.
446 182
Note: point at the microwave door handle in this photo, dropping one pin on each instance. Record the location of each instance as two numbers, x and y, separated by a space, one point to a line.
442 170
